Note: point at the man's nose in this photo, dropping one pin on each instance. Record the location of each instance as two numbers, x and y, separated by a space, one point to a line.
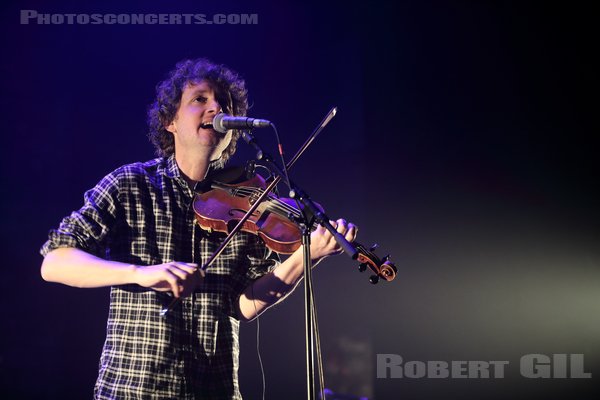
214 107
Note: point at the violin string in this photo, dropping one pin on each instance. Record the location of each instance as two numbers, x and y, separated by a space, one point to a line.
275 204
284 208
278 204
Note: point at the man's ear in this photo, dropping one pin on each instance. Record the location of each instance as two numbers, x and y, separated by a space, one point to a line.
172 127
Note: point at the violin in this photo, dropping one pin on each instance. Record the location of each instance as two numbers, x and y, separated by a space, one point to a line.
219 206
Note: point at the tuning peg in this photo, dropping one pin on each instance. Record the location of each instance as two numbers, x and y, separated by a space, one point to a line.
387 257
373 247
362 267
374 279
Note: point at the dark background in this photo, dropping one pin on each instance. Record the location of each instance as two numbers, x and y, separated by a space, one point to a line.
464 146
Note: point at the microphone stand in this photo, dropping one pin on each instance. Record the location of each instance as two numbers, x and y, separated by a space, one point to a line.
311 214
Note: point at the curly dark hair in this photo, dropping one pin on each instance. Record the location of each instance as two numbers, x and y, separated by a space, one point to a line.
230 92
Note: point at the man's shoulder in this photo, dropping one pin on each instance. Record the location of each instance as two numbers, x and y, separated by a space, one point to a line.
148 168
135 174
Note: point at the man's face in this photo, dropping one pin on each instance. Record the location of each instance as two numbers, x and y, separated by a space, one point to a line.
198 106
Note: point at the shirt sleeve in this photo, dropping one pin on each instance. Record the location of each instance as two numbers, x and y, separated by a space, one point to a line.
88 228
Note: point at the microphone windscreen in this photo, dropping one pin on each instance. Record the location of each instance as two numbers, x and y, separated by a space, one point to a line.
218 123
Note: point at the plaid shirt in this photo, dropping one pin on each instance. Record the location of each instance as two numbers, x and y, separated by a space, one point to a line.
141 214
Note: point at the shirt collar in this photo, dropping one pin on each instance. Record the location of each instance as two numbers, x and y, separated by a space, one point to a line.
171 169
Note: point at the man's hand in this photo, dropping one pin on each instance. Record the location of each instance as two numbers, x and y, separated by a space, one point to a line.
323 244
178 277
274 286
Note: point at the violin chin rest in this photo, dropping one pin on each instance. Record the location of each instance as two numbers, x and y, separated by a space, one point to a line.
230 176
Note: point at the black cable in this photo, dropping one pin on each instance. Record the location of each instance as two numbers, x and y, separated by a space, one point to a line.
280 151
262 369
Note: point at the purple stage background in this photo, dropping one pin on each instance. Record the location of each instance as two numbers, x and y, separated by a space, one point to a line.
464 146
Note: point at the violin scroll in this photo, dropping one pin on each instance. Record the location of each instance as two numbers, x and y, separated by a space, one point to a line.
382 267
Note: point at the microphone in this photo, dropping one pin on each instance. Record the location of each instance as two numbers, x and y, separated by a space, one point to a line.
223 122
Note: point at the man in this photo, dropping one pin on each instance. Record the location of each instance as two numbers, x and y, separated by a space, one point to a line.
136 233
